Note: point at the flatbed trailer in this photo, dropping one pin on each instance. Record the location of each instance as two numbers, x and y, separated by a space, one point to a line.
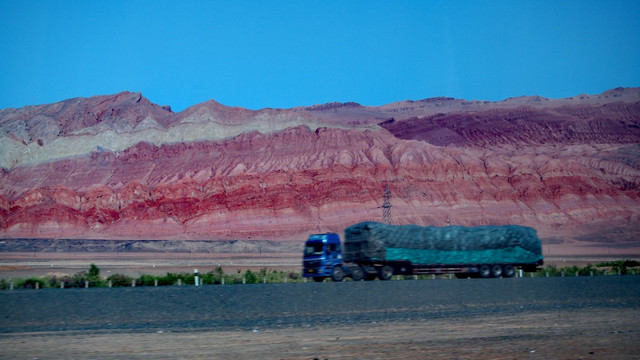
374 250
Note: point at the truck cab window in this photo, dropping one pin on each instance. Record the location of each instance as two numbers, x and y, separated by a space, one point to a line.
313 249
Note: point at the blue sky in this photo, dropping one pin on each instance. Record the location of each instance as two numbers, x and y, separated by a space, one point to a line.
282 54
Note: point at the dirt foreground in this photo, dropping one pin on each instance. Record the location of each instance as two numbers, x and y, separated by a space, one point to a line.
593 334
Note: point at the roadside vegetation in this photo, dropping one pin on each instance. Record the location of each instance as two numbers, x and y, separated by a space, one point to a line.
618 267
93 278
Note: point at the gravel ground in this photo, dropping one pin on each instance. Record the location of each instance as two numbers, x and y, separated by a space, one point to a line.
563 318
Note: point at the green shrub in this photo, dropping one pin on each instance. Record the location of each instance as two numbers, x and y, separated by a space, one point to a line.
552 270
188 279
273 276
5 284
94 271
77 280
213 277
233 278
30 283
146 280
167 279
621 266
294 276
120 280
172 279
250 277
208 278
55 281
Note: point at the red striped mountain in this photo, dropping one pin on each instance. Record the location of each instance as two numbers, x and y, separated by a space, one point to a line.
122 167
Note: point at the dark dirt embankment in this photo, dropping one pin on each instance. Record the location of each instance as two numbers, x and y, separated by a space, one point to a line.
160 246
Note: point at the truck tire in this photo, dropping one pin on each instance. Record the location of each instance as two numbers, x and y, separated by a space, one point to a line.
508 271
385 272
484 271
337 274
496 271
357 274
318 278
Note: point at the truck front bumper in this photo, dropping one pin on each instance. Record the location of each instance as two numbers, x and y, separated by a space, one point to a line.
313 272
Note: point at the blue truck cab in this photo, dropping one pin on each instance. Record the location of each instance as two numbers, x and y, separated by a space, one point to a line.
322 257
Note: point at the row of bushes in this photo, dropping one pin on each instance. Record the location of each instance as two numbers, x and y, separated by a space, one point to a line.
622 267
93 278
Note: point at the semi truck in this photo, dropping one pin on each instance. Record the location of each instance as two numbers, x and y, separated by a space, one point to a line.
374 250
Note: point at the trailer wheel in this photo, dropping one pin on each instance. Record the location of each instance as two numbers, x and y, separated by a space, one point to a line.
357 274
508 271
385 272
484 271
337 274
496 271
318 278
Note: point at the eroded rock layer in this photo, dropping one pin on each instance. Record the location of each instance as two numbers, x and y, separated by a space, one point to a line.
569 168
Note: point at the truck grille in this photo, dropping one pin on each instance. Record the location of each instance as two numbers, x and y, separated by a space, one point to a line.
311 263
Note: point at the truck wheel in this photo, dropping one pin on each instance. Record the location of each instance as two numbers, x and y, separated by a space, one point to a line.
337 274
357 274
484 271
496 271
318 279
385 272
508 271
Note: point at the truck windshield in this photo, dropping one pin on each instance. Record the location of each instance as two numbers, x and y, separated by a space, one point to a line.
313 249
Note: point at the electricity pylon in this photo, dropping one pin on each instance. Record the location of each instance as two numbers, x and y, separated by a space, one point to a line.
386 206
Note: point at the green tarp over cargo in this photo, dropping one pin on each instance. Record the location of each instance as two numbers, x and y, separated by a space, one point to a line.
372 241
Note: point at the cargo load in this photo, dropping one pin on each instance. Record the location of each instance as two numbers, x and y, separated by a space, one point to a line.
448 245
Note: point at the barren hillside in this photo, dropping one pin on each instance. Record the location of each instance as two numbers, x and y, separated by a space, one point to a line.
121 167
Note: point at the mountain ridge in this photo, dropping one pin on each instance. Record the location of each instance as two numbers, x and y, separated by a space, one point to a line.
568 167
